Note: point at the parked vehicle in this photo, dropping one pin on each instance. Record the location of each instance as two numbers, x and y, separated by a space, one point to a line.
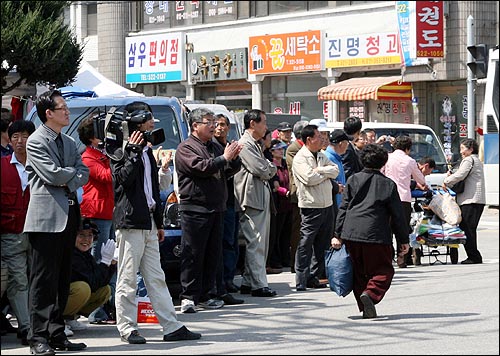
168 114
425 143
235 129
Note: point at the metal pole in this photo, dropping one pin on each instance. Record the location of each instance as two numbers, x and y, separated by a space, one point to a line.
471 97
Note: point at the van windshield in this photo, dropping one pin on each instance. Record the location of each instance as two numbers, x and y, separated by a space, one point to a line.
425 143
164 118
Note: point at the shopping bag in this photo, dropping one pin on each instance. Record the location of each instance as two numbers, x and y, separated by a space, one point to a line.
145 312
446 208
338 267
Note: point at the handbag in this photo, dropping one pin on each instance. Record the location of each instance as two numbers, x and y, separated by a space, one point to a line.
338 266
459 186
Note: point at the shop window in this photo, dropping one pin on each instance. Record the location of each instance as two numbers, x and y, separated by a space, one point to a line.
280 7
92 19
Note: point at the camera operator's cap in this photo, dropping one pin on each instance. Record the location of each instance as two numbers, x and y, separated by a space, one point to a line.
337 136
284 126
321 123
87 224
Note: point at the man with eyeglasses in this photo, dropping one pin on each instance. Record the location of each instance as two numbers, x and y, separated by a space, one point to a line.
202 167
55 172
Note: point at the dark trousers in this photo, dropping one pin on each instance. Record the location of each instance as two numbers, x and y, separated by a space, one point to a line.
471 214
201 246
406 222
316 231
279 240
50 279
372 269
230 250
294 235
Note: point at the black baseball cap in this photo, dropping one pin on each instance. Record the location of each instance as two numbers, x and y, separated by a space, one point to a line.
87 224
284 126
337 136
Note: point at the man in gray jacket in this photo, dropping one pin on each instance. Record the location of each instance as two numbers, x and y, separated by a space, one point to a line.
55 172
253 198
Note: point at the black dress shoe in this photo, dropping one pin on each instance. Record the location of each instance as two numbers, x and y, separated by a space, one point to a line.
134 338
41 348
300 288
228 299
470 262
315 283
181 334
67 345
231 287
263 292
245 289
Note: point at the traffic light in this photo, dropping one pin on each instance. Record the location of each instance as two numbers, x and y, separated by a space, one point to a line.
479 64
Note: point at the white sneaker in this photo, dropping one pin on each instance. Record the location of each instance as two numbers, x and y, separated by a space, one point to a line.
67 331
75 325
211 304
187 306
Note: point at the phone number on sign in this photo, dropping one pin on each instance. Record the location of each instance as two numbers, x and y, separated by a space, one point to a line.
154 76
430 53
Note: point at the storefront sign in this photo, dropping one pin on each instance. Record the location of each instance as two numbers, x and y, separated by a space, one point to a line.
405 11
155 58
429 28
218 65
294 108
362 50
167 14
285 53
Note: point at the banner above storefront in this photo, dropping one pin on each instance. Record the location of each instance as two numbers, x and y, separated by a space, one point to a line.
285 53
155 58
362 50
228 64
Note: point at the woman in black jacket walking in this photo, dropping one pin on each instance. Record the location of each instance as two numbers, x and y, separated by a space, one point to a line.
370 209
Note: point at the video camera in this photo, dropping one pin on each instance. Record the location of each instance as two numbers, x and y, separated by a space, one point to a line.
113 129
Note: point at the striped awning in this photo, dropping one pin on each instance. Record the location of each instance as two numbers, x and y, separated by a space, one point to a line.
365 88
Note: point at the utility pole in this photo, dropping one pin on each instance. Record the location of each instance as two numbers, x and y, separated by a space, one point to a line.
471 97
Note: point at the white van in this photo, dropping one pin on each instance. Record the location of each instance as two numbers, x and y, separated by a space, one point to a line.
235 130
425 143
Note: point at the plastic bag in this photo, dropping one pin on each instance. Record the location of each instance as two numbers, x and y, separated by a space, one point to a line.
338 267
446 208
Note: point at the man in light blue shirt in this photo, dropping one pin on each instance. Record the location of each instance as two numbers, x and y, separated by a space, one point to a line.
339 141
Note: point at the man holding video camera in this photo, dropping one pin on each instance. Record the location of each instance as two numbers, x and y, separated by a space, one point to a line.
139 223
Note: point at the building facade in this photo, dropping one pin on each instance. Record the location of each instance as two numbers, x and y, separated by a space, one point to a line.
276 55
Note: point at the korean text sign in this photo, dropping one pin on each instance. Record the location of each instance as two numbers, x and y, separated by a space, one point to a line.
285 53
362 50
155 58
430 28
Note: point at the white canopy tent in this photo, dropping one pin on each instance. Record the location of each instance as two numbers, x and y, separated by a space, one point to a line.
89 78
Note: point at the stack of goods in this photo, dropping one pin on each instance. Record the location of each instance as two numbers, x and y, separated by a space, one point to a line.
436 232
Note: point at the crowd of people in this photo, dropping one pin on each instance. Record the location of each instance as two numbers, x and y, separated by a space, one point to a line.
77 229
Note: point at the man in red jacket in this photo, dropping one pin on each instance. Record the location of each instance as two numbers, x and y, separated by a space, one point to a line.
15 244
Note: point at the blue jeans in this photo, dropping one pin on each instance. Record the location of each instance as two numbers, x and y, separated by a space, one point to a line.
106 232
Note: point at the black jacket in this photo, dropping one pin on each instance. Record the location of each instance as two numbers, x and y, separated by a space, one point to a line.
202 173
351 162
131 207
370 208
85 268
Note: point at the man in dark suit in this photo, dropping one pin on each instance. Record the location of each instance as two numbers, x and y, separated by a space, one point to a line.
55 172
